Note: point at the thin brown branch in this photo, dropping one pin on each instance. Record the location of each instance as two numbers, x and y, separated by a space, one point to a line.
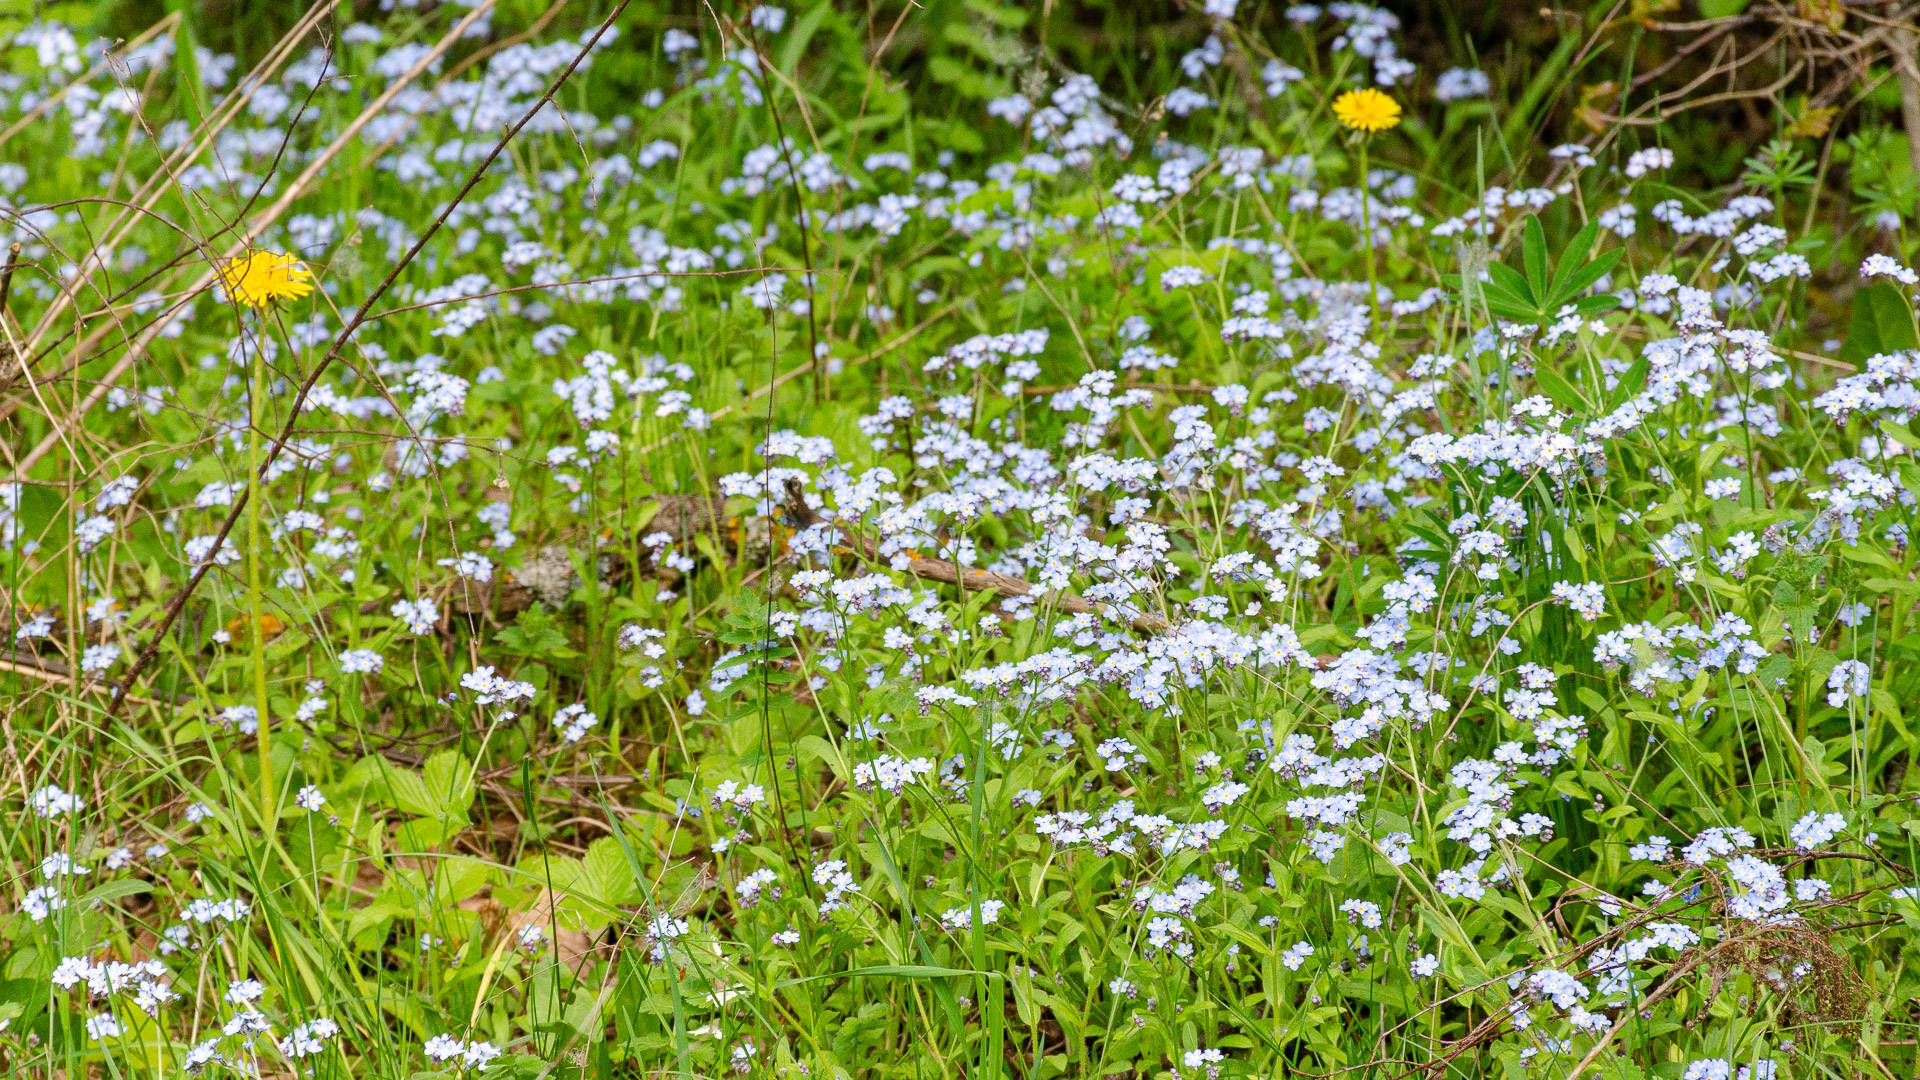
966 577
179 601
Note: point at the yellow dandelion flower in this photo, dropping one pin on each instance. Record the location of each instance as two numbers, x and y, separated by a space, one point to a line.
259 278
1366 110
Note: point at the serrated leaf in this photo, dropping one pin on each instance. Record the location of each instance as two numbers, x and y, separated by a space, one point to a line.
535 633
448 779
410 793
1797 607
608 872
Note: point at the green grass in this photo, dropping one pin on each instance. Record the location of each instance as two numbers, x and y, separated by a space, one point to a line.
913 677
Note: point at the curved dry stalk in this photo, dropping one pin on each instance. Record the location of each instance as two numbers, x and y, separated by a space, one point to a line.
297 187
151 191
52 100
361 315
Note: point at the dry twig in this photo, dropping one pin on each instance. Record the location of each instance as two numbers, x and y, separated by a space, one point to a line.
966 577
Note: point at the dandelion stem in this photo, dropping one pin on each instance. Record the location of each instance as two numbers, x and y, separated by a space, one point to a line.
1366 230
255 622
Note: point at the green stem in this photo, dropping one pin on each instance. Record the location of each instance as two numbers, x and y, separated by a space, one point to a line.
1366 229
257 631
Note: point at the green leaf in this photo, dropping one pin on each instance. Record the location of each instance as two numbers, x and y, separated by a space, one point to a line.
1008 16
795 45
1902 434
535 634
1507 279
1572 257
410 793
1797 606
1594 305
1881 323
448 779
115 890
1582 280
1576 543
1630 383
1533 255
426 833
892 971
1513 312
459 877
1557 387
1548 81
41 518
607 872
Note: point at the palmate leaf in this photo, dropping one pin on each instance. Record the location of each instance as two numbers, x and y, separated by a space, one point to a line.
1533 256
1582 279
1513 312
1595 305
1573 257
1507 293
1558 388
1498 297
1544 287
1508 280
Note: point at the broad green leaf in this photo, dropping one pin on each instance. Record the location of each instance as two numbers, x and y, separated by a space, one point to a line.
1881 322
411 794
448 779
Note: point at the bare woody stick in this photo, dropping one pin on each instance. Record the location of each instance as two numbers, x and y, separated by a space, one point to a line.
966 577
137 349
361 315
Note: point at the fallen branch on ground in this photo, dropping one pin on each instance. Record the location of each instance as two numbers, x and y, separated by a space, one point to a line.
966 577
